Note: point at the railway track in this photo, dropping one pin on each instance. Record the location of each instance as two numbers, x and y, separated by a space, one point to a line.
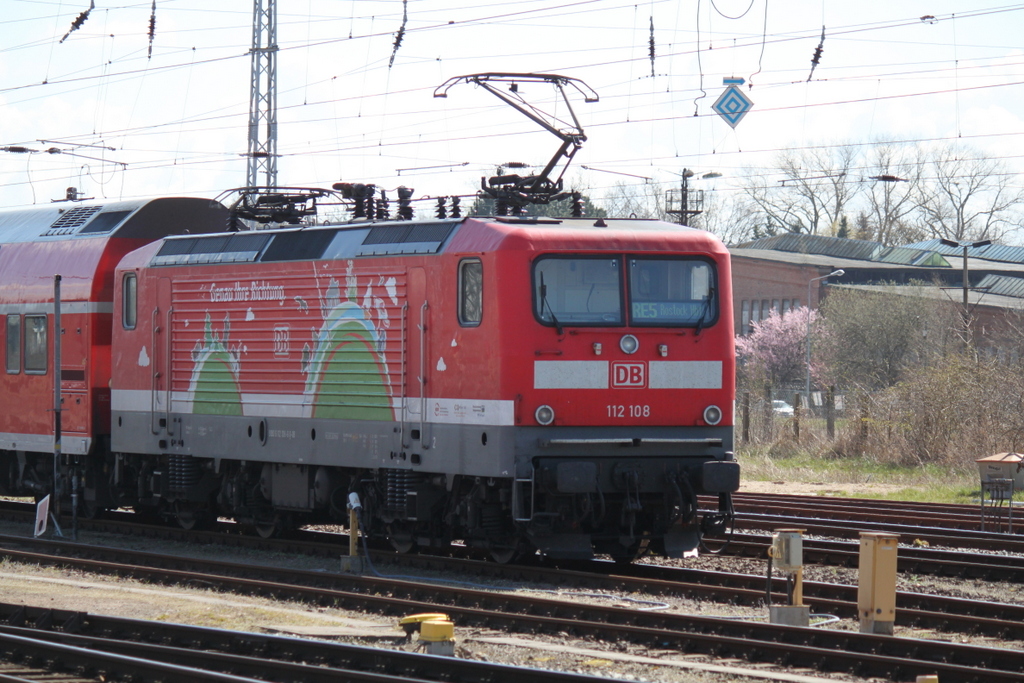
935 612
118 648
826 650
872 511
914 609
922 560
911 560
955 525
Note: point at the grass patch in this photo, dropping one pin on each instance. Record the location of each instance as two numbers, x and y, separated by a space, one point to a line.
865 477
930 494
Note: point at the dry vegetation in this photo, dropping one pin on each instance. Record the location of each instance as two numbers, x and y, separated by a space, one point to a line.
920 397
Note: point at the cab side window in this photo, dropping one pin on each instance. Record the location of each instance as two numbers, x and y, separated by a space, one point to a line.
129 301
13 335
35 344
471 292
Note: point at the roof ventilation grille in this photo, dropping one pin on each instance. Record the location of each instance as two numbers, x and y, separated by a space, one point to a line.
71 220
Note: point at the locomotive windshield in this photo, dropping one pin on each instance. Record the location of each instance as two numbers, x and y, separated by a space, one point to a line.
666 291
578 291
588 291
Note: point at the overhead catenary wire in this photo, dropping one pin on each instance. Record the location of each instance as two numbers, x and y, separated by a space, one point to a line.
836 102
399 118
286 47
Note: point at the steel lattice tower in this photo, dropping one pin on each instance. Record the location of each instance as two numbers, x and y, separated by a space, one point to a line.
262 153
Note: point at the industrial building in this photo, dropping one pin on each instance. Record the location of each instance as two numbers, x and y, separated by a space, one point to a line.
787 271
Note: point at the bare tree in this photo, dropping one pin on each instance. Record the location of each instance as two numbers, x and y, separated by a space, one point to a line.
871 336
968 197
764 196
729 217
892 191
814 192
642 200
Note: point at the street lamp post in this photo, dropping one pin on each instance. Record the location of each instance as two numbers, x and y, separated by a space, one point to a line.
966 281
834 273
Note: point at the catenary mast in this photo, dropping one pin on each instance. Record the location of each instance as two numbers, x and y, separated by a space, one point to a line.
262 152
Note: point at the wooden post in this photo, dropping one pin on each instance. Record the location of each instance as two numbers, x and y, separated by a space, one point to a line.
353 533
796 416
745 410
863 418
353 563
830 412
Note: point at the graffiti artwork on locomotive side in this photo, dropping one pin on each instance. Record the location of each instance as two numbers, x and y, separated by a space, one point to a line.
250 359
346 367
214 388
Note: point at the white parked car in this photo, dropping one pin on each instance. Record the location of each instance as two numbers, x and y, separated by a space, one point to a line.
782 408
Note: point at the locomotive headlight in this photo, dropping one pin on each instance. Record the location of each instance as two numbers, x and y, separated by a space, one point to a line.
545 415
712 415
629 344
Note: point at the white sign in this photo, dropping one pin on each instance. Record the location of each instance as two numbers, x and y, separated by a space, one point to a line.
42 514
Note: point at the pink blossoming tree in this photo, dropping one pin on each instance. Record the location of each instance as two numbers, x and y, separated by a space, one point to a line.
775 351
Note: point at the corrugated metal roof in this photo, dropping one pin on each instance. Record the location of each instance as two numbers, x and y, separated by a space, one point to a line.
975 297
992 252
858 250
839 247
911 257
1003 252
1003 285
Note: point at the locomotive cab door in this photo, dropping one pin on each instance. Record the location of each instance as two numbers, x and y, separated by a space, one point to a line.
415 436
160 398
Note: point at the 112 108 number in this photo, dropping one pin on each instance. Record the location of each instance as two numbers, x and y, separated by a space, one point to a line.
628 411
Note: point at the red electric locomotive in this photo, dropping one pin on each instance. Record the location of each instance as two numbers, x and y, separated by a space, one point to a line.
517 383
82 243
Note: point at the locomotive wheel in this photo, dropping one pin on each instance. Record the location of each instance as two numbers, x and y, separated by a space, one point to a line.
401 538
268 528
271 524
506 551
504 555
626 554
192 516
89 509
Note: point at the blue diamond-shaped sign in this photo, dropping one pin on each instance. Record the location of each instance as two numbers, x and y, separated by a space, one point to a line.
732 105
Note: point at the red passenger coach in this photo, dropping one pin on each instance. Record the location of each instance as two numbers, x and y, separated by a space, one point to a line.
556 384
82 243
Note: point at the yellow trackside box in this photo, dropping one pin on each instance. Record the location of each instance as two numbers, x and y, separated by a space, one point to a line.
876 593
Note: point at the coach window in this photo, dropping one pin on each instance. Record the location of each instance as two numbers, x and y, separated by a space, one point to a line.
129 301
471 292
13 344
35 344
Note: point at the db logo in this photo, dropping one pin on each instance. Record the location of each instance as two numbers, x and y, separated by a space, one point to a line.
632 375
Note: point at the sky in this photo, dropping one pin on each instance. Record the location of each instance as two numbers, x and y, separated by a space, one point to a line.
118 115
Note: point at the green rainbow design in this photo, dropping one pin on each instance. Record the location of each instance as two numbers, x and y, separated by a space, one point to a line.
347 377
214 386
